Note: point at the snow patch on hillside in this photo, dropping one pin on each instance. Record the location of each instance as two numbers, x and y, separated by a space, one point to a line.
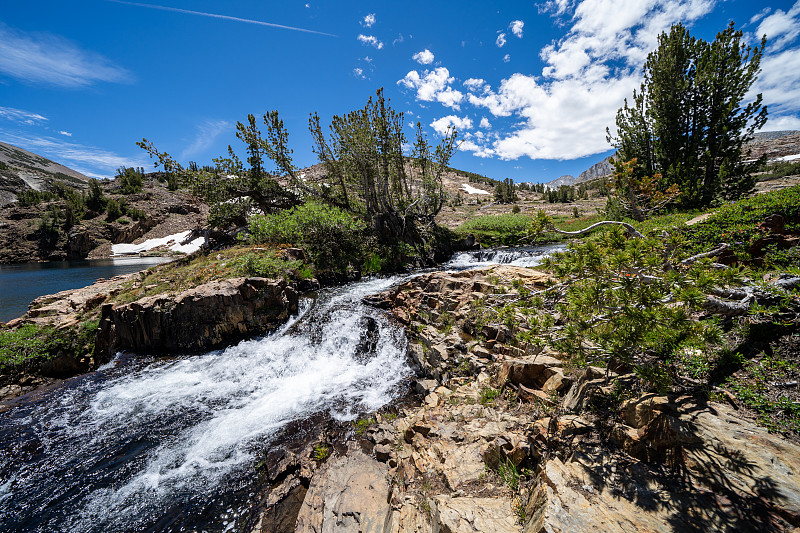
472 190
176 243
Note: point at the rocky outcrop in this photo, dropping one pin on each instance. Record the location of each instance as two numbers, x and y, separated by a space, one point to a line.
598 170
445 306
730 475
506 439
206 317
350 495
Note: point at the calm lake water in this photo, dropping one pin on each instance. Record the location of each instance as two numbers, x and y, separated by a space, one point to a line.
20 284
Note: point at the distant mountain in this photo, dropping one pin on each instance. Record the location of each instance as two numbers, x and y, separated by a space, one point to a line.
598 170
21 169
558 182
772 135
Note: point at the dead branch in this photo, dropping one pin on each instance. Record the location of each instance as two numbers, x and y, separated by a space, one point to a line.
711 253
633 232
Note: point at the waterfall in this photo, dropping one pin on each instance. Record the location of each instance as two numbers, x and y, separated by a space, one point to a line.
523 256
146 444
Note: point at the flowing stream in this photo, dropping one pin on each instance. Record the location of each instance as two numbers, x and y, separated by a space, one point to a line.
522 256
172 444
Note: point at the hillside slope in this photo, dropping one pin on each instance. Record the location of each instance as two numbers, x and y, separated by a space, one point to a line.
21 170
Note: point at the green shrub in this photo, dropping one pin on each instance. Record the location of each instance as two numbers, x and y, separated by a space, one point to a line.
333 238
130 180
113 209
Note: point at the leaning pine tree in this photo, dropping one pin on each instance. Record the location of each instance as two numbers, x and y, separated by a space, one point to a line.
688 121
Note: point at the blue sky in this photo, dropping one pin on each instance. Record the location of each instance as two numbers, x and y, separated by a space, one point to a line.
530 86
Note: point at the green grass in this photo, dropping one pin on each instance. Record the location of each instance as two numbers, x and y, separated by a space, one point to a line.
362 424
489 395
777 412
321 452
30 344
233 262
737 223
506 229
24 343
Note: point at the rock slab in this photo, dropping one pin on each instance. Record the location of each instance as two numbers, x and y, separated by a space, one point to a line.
350 495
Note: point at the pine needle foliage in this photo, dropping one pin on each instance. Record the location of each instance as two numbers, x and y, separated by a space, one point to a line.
622 308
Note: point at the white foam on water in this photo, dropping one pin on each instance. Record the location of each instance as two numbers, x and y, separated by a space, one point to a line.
5 489
529 257
228 404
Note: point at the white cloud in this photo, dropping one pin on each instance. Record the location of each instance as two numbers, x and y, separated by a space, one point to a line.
779 83
65 133
399 39
53 60
556 7
616 30
368 20
207 133
563 114
370 40
485 124
433 86
478 150
760 15
506 58
501 40
782 123
781 28
516 27
476 84
21 116
423 58
441 125
359 73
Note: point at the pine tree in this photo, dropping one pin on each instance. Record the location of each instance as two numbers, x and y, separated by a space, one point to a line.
687 123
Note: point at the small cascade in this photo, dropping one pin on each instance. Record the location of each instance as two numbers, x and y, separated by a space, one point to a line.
523 256
155 444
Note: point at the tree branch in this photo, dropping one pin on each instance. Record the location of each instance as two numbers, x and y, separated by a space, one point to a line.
628 228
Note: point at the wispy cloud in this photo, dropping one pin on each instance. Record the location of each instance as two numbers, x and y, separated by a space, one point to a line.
65 133
223 17
207 133
501 40
21 116
88 160
53 60
781 27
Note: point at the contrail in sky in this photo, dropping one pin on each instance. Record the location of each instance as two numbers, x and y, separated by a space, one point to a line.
224 17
